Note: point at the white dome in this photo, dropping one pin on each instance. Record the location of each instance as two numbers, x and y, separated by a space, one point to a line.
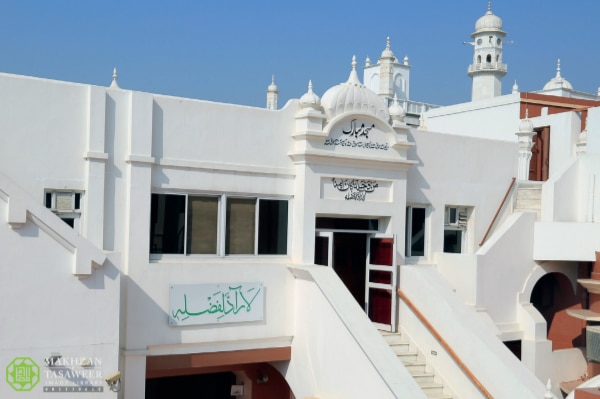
387 52
353 96
396 111
558 82
525 126
489 21
310 99
272 87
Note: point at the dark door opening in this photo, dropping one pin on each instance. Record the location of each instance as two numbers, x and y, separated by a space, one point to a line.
349 257
205 386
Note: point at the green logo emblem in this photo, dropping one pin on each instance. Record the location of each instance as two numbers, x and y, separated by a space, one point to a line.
22 374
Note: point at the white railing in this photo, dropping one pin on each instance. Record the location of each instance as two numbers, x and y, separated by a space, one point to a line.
485 66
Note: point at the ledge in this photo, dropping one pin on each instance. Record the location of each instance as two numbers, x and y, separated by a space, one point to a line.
592 286
584 314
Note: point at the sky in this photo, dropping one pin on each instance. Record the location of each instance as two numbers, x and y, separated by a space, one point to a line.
228 50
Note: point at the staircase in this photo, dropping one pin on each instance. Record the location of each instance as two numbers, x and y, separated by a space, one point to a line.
529 198
415 363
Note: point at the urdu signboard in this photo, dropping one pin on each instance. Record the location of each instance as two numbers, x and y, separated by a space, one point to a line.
193 304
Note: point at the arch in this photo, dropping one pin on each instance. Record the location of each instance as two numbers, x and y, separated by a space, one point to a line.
553 296
374 82
540 271
497 57
488 58
400 86
479 59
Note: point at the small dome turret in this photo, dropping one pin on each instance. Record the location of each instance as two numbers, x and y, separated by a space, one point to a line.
525 126
558 82
489 21
310 99
387 52
397 113
273 87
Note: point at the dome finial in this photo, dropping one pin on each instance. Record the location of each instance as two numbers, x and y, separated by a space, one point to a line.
490 6
387 43
558 82
273 87
310 99
353 78
114 84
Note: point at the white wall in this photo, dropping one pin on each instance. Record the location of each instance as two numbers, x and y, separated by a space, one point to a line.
43 121
473 118
46 307
460 171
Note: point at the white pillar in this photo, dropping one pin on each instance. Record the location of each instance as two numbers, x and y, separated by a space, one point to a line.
525 137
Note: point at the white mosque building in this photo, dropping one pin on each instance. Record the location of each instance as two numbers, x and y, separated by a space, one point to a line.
357 244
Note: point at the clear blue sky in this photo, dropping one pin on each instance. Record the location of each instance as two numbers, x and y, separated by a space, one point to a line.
227 50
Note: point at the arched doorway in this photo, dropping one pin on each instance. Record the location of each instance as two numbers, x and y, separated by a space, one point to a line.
552 295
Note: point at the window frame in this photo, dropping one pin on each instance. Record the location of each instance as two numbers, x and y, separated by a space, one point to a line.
408 231
459 223
221 227
74 213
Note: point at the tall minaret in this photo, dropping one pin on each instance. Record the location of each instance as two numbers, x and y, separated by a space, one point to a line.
487 68
272 93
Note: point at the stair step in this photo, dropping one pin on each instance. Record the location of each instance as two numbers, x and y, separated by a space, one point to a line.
533 193
403 347
424 378
440 396
528 204
416 365
431 388
408 357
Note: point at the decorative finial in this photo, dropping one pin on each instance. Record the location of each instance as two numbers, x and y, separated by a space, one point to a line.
549 394
406 60
354 63
368 61
515 88
310 86
273 79
387 43
558 69
490 6
114 84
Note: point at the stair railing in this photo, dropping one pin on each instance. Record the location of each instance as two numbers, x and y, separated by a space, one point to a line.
510 187
445 345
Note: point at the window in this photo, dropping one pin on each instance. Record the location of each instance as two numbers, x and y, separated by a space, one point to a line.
455 227
65 204
415 231
213 225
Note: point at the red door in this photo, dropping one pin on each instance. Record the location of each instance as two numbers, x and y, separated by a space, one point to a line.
380 281
540 155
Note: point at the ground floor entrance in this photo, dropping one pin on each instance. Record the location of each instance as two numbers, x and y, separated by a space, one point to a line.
218 375
365 261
